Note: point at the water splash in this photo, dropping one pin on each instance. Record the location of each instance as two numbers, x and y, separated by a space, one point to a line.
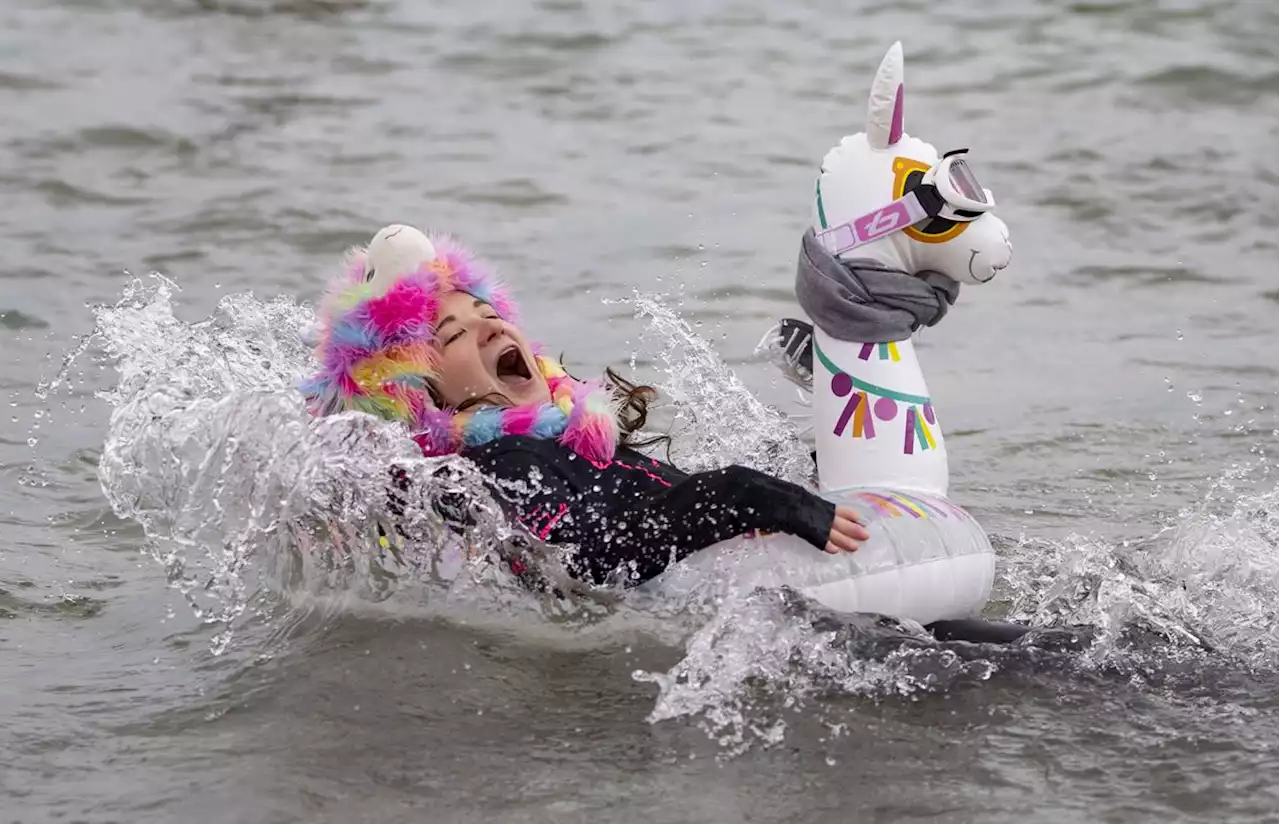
724 423
1207 579
241 492
1187 608
239 489
1204 585
766 653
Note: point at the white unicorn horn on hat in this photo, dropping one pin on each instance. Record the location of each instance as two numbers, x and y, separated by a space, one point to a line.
394 252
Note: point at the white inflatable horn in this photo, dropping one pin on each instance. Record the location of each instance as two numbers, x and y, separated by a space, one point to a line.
884 104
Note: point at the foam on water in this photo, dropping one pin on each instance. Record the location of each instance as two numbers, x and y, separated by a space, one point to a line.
242 493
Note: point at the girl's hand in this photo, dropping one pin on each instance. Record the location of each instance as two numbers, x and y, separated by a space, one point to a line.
846 532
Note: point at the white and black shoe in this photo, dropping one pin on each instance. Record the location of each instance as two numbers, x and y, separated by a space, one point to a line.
789 345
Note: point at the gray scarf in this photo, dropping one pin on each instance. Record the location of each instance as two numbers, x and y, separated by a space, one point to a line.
864 300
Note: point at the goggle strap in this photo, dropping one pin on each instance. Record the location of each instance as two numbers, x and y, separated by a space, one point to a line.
901 213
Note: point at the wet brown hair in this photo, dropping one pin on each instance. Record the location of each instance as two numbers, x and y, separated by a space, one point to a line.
634 412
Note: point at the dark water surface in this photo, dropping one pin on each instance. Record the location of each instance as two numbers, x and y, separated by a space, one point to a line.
1111 399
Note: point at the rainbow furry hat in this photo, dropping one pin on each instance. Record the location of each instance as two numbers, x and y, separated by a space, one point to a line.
377 351
377 340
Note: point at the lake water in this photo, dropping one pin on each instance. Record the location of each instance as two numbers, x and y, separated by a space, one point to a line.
1110 401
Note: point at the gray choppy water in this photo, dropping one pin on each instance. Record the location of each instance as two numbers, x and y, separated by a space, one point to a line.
1111 402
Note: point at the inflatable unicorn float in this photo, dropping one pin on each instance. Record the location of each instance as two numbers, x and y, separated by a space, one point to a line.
897 229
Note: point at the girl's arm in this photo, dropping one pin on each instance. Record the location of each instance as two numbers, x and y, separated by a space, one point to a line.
642 537
641 534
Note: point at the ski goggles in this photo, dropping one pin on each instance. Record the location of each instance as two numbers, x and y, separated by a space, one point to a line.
949 190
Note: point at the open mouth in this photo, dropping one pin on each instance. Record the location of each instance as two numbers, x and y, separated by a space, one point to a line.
512 367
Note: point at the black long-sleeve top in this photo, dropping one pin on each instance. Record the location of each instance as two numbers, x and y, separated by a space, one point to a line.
633 516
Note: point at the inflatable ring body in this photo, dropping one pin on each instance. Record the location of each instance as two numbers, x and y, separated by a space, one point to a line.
926 560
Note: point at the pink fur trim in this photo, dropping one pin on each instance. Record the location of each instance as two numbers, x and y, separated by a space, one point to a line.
519 420
592 429
408 308
436 433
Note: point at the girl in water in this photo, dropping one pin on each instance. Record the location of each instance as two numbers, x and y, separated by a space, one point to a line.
418 331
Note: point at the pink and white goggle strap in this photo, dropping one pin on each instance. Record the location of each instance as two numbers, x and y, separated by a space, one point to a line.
901 213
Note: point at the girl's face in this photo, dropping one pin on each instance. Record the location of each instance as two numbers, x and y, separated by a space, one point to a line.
481 354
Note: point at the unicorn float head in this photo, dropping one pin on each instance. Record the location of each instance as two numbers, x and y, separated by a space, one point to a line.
897 227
